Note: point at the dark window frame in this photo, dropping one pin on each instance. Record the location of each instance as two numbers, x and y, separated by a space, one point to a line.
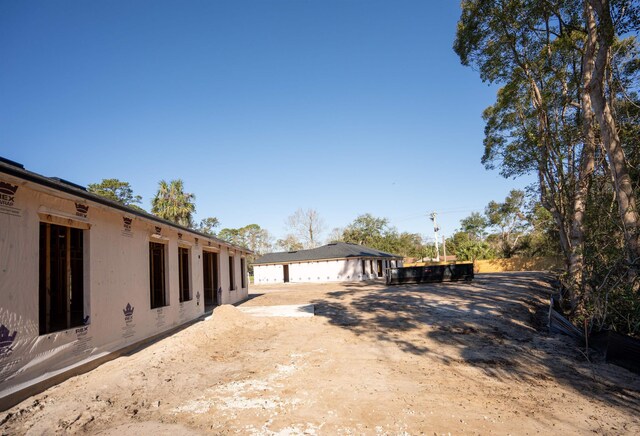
243 280
157 279
211 277
184 274
232 279
61 302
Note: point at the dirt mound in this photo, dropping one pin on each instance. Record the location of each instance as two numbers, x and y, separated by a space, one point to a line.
225 318
228 314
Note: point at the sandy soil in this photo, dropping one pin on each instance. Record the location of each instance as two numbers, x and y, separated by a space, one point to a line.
446 358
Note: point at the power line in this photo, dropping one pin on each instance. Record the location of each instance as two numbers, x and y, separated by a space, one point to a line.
440 212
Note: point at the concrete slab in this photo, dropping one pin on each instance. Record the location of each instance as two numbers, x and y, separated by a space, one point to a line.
292 310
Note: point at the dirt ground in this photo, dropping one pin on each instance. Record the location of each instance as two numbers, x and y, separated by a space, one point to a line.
452 358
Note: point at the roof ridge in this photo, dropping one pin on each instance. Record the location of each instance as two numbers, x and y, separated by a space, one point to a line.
337 250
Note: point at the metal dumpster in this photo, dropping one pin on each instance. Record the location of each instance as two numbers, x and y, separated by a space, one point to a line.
430 274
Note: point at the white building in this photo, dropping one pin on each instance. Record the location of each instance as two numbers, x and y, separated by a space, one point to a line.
82 278
337 262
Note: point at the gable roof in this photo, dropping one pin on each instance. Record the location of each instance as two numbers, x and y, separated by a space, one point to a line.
337 250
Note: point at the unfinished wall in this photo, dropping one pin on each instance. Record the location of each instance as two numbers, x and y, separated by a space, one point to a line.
263 274
116 282
320 271
323 271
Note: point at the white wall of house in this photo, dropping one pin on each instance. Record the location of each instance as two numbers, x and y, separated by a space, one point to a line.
263 274
116 274
341 270
323 271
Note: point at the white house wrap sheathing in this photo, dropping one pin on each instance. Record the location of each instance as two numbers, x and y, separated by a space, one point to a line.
318 271
116 281
362 264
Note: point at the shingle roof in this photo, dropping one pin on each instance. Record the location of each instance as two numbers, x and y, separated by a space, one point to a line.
338 250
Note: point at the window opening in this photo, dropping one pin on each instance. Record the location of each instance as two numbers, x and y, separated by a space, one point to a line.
61 278
210 278
183 272
156 275
232 280
242 273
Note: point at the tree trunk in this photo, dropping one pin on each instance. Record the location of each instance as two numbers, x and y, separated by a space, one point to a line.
587 160
557 218
564 229
604 32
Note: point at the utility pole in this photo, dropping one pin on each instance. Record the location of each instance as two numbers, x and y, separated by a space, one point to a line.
435 231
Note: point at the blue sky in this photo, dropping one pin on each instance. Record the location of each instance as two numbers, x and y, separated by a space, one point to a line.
261 107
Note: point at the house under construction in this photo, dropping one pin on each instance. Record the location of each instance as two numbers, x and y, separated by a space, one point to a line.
83 278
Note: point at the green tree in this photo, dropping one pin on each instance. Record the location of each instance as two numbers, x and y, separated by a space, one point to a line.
251 236
173 204
533 49
366 230
468 248
561 64
402 243
208 225
606 21
256 239
510 220
116 190
541 238
230 235
475 225
289 243
376 233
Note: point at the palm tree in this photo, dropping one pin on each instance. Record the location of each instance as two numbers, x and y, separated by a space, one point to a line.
173 204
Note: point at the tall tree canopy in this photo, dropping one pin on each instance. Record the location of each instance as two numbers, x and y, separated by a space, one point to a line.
513 227
208 226
475 225
565 67
289 243
510 220
173 204
376 233
367 230
251 236
116 190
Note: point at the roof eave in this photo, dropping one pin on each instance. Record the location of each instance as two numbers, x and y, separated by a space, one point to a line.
326 259
68 189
